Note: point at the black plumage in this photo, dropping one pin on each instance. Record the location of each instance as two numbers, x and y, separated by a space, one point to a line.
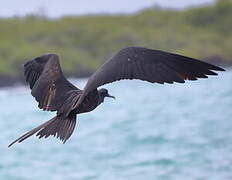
54 92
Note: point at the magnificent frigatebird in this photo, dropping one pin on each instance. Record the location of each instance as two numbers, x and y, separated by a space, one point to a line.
54 92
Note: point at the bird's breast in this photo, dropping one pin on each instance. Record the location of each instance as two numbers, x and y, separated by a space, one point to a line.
89 103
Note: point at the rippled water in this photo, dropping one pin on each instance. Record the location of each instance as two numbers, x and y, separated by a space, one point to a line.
150 132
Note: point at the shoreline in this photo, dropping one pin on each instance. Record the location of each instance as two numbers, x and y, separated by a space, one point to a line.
11 81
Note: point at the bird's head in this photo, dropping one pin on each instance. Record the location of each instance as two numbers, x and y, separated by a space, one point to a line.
104 93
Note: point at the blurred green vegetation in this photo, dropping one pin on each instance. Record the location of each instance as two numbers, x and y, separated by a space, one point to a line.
85 42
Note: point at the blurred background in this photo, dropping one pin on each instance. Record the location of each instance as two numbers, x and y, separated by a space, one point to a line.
180 131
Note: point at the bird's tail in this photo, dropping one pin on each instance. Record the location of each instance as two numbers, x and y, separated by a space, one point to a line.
60 127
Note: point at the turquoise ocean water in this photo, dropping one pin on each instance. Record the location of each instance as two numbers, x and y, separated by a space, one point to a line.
150 132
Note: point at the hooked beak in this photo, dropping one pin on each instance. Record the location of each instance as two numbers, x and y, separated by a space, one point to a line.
108 95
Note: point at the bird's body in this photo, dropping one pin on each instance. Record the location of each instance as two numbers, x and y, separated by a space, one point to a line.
54 92
90 102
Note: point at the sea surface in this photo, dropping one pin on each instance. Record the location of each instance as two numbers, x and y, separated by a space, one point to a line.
150 132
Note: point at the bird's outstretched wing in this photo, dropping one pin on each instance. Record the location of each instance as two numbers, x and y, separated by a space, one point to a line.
148 65
48 84
53 92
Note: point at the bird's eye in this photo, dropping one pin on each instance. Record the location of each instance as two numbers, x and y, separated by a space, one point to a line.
104 92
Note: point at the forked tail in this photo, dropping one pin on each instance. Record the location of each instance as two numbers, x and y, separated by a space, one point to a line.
58 126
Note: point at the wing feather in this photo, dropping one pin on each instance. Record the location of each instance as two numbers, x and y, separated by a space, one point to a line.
149 65
48 84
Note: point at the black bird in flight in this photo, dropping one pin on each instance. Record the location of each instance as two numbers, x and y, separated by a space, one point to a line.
54 92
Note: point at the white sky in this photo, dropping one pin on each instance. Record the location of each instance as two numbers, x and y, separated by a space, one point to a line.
57 8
